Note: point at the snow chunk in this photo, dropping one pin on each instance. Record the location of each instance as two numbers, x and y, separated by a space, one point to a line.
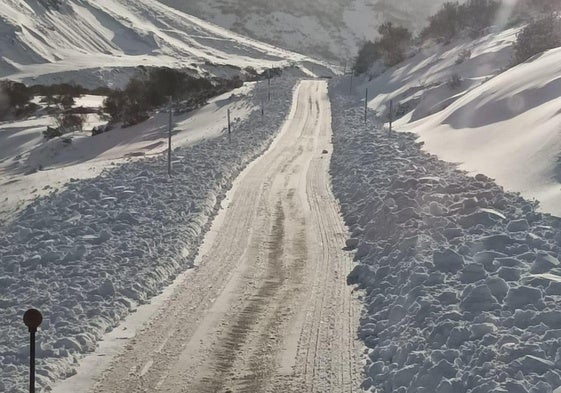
448 261
522 296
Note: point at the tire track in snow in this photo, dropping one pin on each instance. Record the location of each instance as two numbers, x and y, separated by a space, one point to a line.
268 309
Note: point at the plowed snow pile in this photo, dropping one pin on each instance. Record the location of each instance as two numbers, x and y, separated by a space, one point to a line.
88 255
462 279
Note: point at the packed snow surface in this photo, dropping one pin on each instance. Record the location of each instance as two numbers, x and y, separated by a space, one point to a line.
99 42
500 120
462 279
86 256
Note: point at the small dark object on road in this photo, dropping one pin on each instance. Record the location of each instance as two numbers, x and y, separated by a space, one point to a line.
324 152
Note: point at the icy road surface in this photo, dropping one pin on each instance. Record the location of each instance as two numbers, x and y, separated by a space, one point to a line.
267 308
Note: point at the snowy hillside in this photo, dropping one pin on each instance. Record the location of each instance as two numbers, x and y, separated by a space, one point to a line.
496 120
56 40
325 28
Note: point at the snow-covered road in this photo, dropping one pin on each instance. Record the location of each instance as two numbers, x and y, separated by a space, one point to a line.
267 308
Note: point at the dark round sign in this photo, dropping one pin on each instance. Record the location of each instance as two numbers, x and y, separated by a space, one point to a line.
32 319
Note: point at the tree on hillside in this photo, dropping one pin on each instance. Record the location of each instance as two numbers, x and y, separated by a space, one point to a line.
15 98
443 25
473 16
393 43
537 37
367 55
477 15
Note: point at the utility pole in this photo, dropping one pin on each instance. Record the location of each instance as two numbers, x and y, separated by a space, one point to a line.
366 107
32 319
169 134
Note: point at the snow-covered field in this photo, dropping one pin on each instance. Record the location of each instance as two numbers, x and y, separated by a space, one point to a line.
88 255
500 121
31 166
462 279
101 42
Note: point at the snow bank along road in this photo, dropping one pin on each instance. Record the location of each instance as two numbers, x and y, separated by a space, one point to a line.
267 308
463 279
88 254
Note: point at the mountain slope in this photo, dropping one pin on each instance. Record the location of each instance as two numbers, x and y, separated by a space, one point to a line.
499 120
53 36
331 29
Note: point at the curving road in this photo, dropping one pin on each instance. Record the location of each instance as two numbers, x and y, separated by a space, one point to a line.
267 309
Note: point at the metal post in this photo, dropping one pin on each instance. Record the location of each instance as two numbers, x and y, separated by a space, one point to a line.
366 107
391 115
169 135
262 110
32 319
229 125
31 362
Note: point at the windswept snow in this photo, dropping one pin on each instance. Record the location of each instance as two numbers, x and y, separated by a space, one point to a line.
500 121
102 41
462 279
86 256
508 128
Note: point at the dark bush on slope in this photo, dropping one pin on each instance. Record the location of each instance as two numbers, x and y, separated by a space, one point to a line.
393 43
153 88
15 98
367 55
454 18
537 37
390 48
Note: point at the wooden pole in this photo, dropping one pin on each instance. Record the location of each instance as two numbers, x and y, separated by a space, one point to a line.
229 124
366 106
169 135
391 115
269 85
